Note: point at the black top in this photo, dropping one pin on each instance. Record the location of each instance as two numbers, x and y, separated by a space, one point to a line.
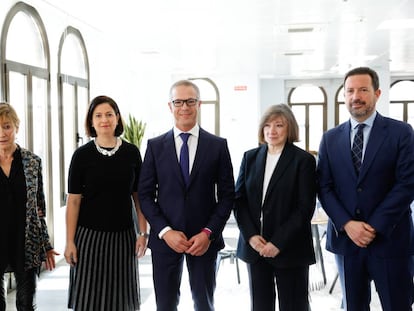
106 184
13 211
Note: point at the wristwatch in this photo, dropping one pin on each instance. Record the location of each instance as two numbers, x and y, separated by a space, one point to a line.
144 234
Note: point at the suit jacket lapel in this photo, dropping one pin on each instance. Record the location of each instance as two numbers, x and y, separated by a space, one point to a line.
343 146
260 169
201 154
280 168
376 138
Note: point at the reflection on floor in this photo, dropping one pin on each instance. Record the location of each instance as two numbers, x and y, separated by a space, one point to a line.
52 286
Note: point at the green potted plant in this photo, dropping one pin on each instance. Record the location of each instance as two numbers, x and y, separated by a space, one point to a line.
134 131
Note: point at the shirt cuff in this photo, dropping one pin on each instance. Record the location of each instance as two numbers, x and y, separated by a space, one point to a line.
207 231
163 231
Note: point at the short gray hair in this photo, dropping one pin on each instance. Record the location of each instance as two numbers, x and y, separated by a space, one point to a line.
184 83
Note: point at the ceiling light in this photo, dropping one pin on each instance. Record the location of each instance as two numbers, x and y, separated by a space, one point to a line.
397 24
298 52
301 29
293 53
149 52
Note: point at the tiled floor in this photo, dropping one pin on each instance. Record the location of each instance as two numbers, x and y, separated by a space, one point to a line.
52 286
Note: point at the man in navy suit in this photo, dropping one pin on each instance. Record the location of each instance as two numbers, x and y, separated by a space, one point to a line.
187 217
370 228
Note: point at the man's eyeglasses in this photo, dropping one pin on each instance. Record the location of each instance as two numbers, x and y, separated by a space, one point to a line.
180 102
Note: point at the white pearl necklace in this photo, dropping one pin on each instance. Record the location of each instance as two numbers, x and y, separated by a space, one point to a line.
111 152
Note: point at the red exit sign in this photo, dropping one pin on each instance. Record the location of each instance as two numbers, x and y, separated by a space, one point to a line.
240 87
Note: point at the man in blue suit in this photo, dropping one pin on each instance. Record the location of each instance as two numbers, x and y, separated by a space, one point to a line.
187 214
370 227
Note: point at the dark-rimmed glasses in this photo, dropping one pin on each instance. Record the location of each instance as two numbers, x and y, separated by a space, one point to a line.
180 102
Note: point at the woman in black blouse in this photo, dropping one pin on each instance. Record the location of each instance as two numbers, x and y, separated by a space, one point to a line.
24 240
101 244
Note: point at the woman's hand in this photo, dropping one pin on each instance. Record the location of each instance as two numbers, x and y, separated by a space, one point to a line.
269 250
141 246
257 242
71 254
50 259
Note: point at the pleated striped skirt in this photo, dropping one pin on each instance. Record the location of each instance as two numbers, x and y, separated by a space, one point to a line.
106 275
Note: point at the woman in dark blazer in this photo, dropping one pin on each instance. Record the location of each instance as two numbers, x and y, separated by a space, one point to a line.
275 200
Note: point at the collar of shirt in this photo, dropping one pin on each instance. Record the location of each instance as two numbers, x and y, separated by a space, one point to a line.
367 130
194 131
368 122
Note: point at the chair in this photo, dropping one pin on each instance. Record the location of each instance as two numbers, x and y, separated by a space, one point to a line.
230 234
228 254
317 271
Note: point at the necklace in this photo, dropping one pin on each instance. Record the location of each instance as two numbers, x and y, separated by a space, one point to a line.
111 152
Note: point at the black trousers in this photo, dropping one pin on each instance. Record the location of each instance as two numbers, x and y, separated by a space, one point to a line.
291 283
25 290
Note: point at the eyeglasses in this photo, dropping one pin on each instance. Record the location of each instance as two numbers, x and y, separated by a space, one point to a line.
180 102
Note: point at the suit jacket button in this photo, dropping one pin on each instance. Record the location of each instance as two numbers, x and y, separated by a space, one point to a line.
357 211
359 189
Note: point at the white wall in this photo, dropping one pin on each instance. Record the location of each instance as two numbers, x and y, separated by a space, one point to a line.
140 85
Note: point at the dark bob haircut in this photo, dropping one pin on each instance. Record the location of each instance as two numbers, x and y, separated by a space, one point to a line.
90 131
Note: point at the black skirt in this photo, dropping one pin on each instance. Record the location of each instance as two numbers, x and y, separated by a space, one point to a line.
105 277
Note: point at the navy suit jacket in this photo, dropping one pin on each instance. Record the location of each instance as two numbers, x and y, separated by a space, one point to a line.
287 208
380 195
208 199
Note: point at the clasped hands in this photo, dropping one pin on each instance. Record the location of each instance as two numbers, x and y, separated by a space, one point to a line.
197 245
361 233
264 248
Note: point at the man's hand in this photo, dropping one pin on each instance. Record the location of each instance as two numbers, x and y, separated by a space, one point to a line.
200 244
360 232
177 241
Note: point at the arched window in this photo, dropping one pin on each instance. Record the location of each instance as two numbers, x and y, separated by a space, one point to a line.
308 103
209 117
402 101
73 98
341 113
25 84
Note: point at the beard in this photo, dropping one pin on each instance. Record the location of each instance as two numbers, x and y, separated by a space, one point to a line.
363 111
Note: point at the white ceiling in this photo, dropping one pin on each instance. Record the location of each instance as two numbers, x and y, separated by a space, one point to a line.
269 38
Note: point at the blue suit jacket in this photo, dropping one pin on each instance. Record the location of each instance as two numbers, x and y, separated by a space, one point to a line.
206 202
380 195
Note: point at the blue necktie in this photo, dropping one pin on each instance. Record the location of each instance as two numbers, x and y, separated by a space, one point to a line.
185 158
357 147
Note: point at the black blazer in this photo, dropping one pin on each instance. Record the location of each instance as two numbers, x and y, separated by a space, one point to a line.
287 209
